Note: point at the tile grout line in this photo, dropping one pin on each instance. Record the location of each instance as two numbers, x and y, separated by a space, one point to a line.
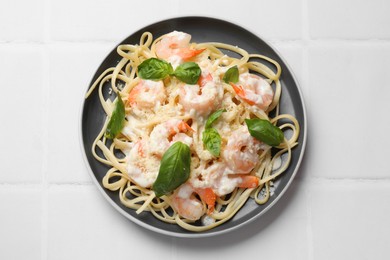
46 88
45 184
305 70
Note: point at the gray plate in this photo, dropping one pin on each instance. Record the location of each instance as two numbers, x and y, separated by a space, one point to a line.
202 29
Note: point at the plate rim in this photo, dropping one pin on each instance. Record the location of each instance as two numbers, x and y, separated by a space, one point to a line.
211 233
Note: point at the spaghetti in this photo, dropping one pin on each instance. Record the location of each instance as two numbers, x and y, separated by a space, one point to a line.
217 116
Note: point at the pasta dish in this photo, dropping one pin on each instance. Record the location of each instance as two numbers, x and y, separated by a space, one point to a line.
193 130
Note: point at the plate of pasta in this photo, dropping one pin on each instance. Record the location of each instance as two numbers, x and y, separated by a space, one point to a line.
193 126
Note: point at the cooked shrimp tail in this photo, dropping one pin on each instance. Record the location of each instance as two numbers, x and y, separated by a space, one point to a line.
208 196
241 93
248 181
188 53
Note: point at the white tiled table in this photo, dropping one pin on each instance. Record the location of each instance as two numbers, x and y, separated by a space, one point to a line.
338 206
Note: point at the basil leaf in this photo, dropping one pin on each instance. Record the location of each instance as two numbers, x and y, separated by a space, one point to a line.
174 169
214 116
154 69
264 131
117 119
231 75
212 141
188 72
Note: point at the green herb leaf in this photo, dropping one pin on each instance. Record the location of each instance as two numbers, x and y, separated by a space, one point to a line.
188 72
264 131
231 75
117 119
210 137
174 169
212 141
214 116
154 69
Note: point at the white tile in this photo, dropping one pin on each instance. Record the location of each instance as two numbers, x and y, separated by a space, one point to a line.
350 220
348 111
266 18
20 222
22 21
72 68
103 20
82 225
22 116
279 234
349 19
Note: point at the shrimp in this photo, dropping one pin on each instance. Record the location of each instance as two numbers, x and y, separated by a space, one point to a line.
202 97
256 91
147 94
188 206
165 134
176 46
220 181
241 151
141 168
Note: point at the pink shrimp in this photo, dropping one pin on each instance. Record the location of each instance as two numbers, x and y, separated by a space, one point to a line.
188 206
254 90
165 134
241 151
176 44
219 178
202 97
147 94
141 169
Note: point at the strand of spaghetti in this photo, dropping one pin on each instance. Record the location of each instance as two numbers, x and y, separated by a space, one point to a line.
276 99
116 185
111 157
275 63
159 203
97 81
264 160
133 203
263 70
107 105
94 144
284 166
115 73
165 217
149 39
146 203
127 51
294 136
130 203
236 49
135 189
265 196
120 144
223 201
293 120
230 206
